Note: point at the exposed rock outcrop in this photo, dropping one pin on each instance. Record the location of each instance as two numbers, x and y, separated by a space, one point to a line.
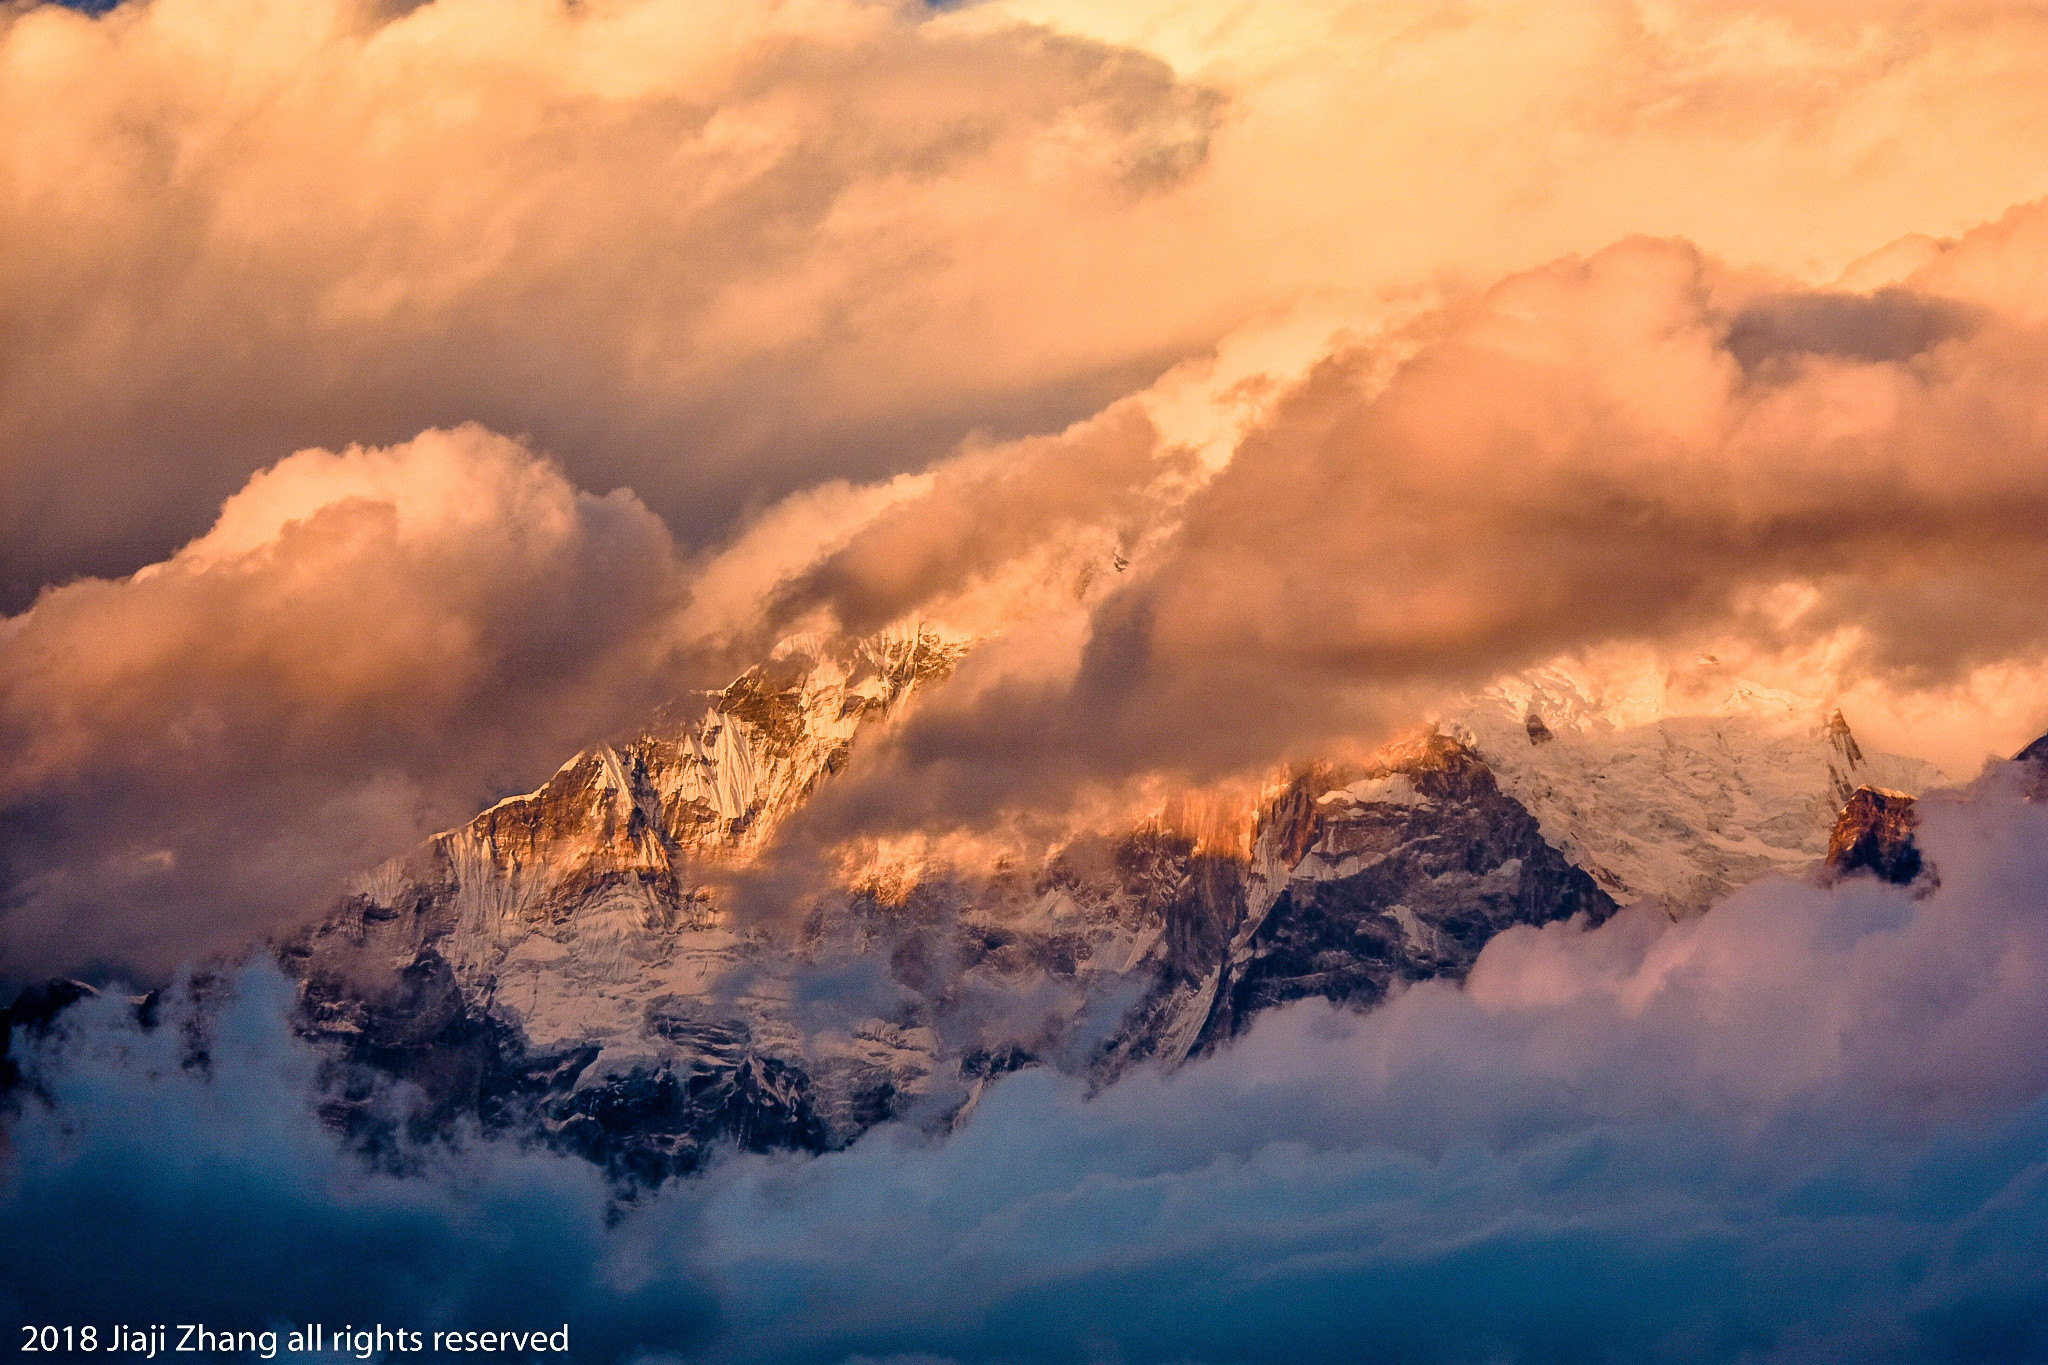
557 962
1874 834
1400 875
564 963
2036 755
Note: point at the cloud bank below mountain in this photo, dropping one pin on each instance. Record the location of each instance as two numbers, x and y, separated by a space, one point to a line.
1806 1126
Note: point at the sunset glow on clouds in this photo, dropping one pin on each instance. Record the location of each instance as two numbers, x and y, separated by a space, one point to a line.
1644 445
400 398
713 251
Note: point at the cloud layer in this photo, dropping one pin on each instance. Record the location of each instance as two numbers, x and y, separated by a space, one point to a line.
1645 445
798 274
720 253
1248 562
365 647
710 251
1807 1126
1261 375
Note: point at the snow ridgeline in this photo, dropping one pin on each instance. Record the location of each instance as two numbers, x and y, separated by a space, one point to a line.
563 962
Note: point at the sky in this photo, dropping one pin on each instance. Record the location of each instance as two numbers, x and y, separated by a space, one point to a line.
398 398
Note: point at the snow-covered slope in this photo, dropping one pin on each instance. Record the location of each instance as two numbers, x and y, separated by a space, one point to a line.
563 959
575 919
1677 808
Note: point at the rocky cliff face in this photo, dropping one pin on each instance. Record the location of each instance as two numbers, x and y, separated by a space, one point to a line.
1400 875
2035 757
558 959
1874 834
561 964
1355 883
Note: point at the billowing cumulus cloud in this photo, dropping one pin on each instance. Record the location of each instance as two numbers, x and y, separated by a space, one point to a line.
365 646
986 508
724 252
1644 445
1248 380
701 249
1807 1126
1245 563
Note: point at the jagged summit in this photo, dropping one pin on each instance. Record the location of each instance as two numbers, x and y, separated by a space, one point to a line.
1874 834
715 786
2036 754
549 929
1399 875
563 960
1678 809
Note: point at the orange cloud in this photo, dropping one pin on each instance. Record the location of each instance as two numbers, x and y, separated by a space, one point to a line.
365 646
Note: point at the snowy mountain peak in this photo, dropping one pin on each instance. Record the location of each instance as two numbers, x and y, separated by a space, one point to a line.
1676 808
566 945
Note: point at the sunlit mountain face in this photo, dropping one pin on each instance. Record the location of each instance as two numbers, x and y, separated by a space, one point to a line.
1018 681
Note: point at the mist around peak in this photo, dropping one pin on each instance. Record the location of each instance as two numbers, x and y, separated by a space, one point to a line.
1554 1157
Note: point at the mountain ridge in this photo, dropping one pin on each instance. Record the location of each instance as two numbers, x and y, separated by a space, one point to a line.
562 961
